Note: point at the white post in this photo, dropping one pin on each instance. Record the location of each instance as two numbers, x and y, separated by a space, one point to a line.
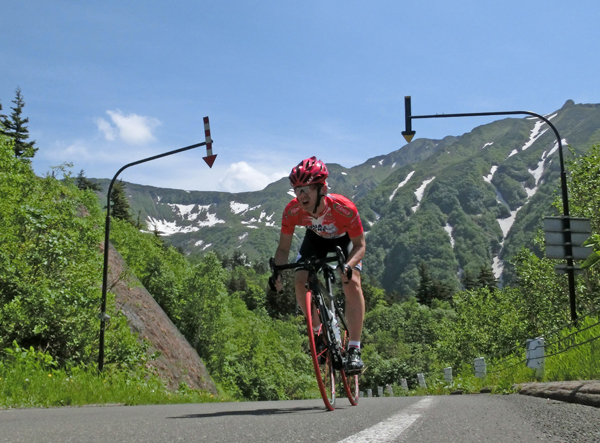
448 375
535 355
369 393
404 384
361 394
379 391
421 379
480 367
389 390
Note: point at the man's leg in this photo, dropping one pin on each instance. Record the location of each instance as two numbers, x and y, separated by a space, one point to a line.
355 306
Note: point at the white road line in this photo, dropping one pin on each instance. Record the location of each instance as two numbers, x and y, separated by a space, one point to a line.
391 428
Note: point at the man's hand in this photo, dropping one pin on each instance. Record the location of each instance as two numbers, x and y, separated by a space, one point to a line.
275 283
346 272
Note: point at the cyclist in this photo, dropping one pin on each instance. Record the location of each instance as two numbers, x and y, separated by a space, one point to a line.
331 220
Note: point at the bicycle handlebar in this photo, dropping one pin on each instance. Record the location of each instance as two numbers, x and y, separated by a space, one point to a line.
310 264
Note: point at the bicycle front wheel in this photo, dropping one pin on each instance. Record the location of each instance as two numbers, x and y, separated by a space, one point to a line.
350 381
321 358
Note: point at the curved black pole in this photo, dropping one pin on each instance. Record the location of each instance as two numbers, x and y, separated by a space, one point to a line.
563 182
103 316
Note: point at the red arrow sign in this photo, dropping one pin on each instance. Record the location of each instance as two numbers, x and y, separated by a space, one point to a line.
210 157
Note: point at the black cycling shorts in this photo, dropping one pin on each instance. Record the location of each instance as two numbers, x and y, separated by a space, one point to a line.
315 245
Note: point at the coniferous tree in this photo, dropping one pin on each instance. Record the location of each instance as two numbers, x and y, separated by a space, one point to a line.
469 281
14 127
487 279
83 183
426 285
120 207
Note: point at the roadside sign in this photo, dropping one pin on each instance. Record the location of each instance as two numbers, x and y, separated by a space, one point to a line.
559 252
556 238
577 224
563 269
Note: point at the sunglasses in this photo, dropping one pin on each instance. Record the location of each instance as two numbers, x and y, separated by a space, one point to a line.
300 189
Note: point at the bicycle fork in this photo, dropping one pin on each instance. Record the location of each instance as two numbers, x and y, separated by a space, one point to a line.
332 327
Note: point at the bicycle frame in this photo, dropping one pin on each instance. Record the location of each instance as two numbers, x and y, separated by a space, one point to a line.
328 310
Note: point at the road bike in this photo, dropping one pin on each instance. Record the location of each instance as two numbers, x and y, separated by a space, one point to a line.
322 306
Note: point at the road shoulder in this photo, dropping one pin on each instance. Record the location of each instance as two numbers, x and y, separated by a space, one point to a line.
584 392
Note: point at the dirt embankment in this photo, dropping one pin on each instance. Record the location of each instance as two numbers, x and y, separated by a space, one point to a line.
178 361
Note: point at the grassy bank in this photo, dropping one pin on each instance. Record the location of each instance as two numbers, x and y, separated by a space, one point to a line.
29 378
573 354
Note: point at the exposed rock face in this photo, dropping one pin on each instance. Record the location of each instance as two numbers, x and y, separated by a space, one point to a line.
178 361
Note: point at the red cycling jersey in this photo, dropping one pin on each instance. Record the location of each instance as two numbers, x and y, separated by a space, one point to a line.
340 217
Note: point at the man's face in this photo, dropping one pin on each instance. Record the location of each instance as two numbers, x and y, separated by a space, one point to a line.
307 196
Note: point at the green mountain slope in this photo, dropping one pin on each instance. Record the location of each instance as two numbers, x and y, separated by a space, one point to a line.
458 205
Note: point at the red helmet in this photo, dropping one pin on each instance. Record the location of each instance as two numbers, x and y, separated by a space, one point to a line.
309 171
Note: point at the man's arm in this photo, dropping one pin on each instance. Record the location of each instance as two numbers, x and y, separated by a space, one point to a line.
283 249
357 253
281 255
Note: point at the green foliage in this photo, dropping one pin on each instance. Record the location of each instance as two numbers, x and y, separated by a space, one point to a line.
30 378
120 207
83 183
578 353
398 341
14 126
485 323
222 314
50 266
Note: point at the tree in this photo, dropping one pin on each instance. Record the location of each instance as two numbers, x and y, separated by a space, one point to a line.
120 207
487 279
469 281
83 183
425 290
14 127
430 288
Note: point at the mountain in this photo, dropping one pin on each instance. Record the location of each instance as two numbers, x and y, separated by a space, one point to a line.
458 205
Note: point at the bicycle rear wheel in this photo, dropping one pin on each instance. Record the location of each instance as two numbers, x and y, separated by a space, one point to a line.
350 381
322 362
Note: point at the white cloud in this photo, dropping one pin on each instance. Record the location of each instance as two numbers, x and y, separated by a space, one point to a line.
106 129
241 177
132 128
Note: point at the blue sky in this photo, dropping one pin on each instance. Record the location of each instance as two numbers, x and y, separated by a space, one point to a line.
107 83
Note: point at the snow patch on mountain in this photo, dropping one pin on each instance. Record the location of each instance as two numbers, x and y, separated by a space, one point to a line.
487 144
402 183
238 208
488 178
377 217
506 223
183 212
420 192
448 229
167 228
497 267
186 212
535 134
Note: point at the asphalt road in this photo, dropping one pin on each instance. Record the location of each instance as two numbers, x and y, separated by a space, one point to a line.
468 418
